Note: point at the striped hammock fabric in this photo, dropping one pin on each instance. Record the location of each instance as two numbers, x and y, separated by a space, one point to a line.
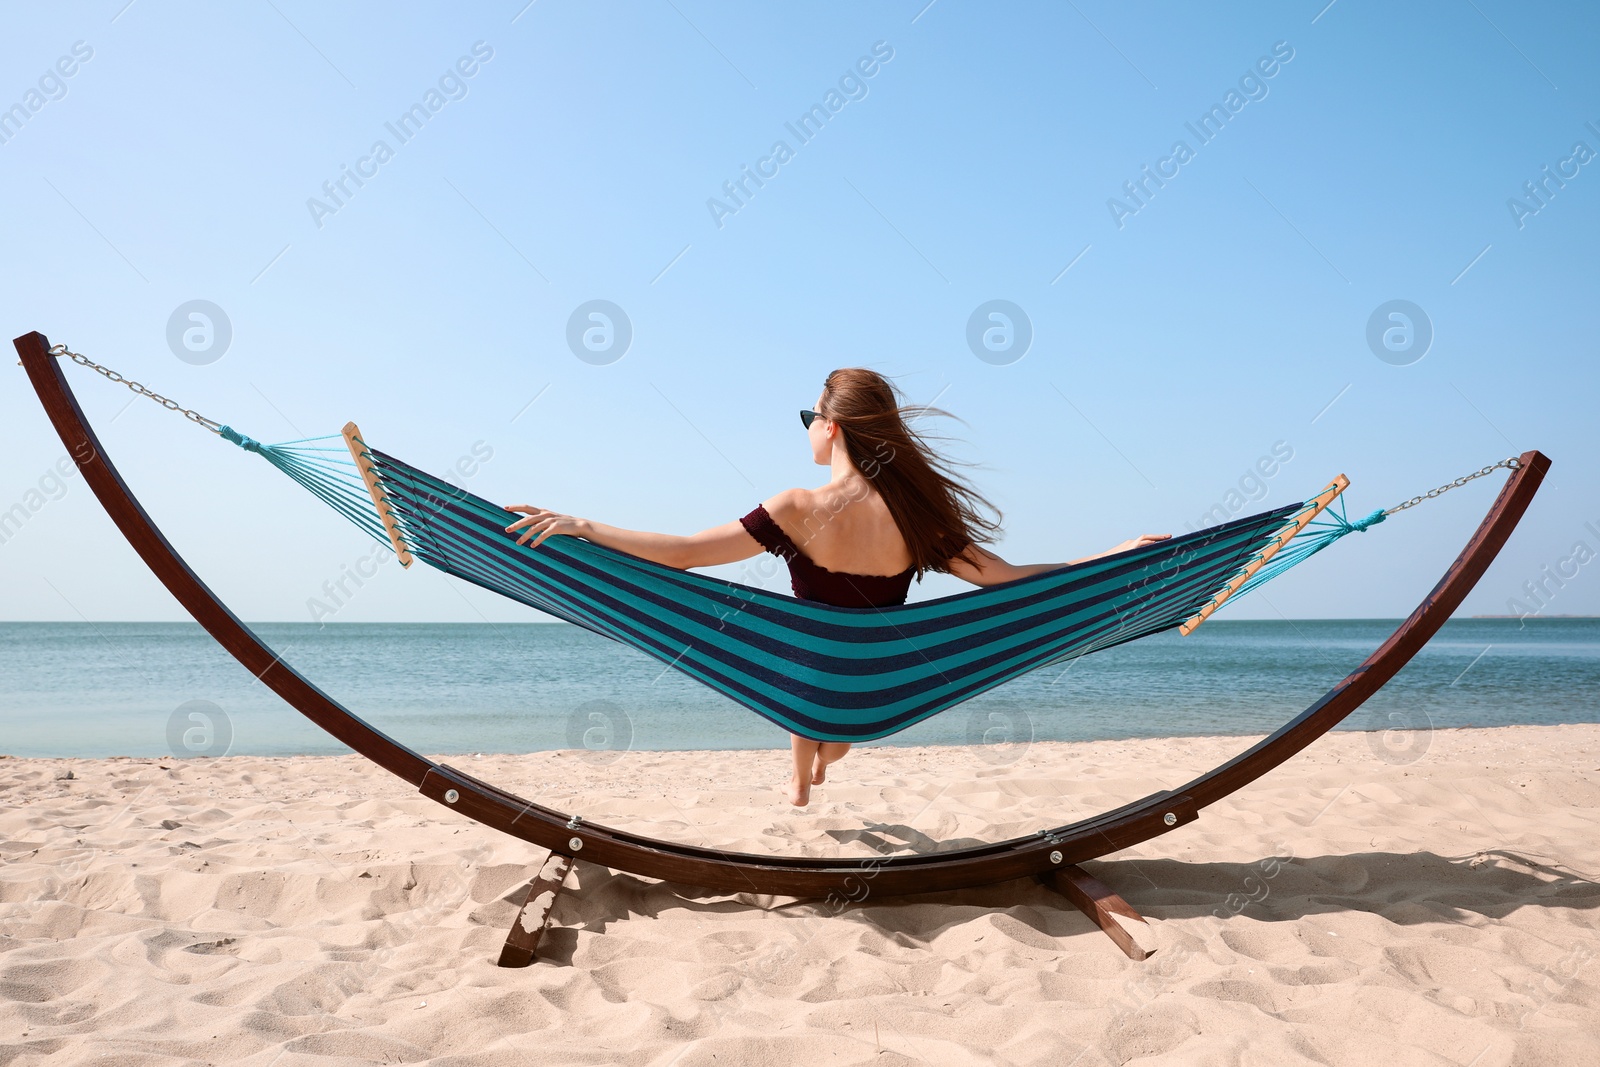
824 672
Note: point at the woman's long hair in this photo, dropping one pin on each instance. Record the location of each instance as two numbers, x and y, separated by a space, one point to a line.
936 511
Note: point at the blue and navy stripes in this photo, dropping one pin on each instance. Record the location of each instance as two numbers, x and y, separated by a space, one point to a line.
829 673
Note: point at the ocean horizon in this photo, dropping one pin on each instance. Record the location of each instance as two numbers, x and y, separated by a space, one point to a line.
95 690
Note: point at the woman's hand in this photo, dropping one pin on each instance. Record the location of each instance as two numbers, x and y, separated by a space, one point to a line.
542 522
1140 542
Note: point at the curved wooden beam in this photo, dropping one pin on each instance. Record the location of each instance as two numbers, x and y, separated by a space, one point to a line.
833 878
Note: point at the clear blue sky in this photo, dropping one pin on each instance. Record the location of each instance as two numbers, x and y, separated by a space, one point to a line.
1226 314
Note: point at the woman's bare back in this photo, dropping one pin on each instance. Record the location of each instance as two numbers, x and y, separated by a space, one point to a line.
845 527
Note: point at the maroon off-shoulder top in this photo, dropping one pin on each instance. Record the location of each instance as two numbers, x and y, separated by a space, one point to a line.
813 582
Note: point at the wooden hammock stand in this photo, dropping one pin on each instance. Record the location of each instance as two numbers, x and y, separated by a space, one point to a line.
1051 856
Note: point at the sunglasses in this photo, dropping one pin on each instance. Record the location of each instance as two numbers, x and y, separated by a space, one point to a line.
806 418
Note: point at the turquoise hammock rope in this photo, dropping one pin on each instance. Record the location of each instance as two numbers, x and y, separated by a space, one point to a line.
1318 534
326 470
825 672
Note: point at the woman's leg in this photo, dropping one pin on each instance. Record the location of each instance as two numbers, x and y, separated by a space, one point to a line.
804 751
827 752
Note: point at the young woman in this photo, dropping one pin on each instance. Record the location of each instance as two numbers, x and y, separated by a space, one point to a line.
892 509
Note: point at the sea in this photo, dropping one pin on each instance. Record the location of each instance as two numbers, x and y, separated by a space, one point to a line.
166 689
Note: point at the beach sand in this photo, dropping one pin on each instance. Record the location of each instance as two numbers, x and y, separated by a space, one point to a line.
1433 903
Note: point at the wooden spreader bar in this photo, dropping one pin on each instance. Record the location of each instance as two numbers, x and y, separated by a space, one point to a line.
1052 855
375 489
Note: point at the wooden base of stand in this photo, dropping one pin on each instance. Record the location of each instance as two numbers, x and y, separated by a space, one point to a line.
1125 926
1104 908
522 943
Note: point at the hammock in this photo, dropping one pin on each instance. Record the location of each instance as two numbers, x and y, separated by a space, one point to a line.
824 672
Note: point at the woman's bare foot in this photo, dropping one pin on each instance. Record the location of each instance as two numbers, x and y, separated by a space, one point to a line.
830 752
811 759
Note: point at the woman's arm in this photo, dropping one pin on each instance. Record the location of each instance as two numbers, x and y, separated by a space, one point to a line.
994 570
727 543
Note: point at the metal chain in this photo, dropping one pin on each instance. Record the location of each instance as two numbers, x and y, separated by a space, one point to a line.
215 427
170 405
1513 463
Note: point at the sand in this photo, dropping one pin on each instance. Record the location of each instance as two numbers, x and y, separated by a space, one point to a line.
1430 903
